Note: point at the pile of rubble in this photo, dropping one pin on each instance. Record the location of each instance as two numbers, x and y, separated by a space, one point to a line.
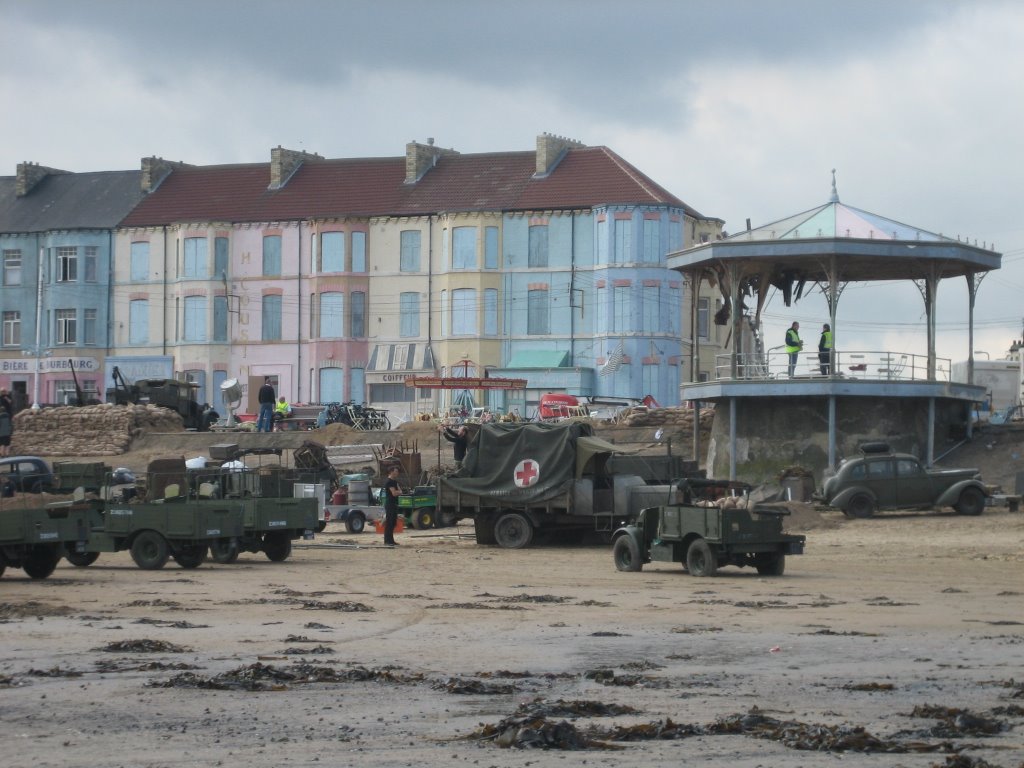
92 430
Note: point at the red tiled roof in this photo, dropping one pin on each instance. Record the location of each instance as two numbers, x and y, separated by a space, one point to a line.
501 181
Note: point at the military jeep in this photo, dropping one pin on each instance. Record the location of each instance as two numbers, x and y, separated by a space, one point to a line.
705 525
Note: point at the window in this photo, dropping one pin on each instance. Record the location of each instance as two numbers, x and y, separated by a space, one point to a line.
220 318
409 307
675 236
332 315
67 327
464 251
537 313
89 326
196 257
272 263
140 262
703 318
358 251
332 252
464 312
272 317
357 385
651 298
602 242
12 328
652 240
490 312
601 309
673 310
538 246
650 381
195 318
877 469
220 257
445 325
197 376
91 252
12 267
67 264
138 321
357 326
623 240
490 248
409 261
620 308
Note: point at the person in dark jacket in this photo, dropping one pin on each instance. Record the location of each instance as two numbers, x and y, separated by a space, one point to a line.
267 398
459 438
392 490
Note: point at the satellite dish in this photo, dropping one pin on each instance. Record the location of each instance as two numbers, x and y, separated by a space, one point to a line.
231 395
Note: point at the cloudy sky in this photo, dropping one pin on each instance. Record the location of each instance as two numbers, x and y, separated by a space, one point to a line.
739 107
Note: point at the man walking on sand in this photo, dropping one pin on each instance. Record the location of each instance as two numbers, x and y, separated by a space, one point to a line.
392 490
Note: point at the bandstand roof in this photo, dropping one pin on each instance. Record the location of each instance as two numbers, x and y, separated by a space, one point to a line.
865 246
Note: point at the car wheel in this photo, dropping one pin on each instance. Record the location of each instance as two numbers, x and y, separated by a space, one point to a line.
150 551
771 564
700 560
277 547
513 531
971 502
860 506
626 554
355 522
41 561
224 551
191 556
80 559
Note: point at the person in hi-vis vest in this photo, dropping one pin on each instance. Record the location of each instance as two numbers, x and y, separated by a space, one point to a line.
793 346
825 350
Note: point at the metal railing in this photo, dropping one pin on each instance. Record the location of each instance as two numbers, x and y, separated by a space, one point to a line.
867 365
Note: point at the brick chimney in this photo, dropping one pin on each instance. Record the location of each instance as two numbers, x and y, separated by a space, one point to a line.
285 162
155 170
30 174
550 149
420 158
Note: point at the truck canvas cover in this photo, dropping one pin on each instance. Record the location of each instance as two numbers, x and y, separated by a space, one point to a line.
528 463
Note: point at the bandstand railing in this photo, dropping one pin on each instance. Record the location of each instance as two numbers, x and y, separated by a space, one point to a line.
868 365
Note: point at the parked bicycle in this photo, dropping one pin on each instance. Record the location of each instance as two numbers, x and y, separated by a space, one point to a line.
357 416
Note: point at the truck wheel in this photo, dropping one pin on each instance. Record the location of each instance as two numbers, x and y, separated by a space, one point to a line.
513 531
771 564
150 551
860 506
483 527
700 560
81 559
191 556
277 547
355 522
627 554
320 526
224 551
971 502
41 561
423 518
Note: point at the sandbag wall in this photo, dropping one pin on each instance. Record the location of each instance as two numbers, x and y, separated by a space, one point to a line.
680 418
92 430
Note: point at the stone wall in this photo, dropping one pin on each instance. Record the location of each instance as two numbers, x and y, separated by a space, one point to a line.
95 430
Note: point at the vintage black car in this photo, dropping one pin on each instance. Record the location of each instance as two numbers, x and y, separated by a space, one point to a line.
880 479
27 474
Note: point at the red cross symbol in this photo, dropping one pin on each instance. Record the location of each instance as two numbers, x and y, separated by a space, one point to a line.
527 473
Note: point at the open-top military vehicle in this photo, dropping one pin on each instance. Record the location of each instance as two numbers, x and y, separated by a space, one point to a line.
157 521
705 525
178 396
35 539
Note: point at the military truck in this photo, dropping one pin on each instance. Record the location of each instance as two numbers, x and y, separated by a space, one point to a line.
518 480
158 519
178 396
706 525
36 539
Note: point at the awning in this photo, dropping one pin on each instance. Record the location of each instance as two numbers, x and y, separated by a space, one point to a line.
396 362
539 359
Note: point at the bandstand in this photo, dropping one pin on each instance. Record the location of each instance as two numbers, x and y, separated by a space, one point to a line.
768 418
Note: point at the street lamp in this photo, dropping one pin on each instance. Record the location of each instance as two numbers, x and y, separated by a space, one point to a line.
982 352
